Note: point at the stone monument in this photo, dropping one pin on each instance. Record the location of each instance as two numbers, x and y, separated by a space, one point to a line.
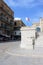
27 37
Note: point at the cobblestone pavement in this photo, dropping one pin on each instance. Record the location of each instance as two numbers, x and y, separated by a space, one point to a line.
12 54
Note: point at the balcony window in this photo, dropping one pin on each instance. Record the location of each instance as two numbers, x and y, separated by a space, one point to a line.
11 22
8 32
1 24
8 28
16 28
0 12
15 23
15 33
2 15
7 18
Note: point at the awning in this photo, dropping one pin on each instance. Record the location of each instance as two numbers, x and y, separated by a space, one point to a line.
5 35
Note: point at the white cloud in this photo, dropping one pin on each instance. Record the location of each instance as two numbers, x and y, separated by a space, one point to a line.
17 18
10 2
24 3
21 3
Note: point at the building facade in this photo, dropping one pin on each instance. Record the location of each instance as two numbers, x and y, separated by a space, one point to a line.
6 21
18 23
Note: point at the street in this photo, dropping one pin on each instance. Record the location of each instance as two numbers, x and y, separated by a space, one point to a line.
12 54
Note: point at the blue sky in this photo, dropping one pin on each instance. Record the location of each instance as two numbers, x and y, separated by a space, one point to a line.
32 9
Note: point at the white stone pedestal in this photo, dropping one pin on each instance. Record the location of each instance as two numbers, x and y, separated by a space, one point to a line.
27 35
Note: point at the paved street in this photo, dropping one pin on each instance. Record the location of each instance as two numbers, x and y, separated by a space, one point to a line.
12 54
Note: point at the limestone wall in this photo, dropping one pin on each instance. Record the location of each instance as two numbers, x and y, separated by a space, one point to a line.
41 24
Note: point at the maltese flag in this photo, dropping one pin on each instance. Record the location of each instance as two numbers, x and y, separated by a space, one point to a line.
27 19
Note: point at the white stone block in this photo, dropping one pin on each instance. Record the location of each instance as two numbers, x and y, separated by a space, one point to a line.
27 35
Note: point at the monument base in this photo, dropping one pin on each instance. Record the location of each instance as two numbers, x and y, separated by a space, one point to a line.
26 44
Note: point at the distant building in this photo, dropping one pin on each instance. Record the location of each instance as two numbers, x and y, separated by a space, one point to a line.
18 23
39 24
6 21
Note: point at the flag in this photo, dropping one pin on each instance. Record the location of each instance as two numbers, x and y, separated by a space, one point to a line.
27 19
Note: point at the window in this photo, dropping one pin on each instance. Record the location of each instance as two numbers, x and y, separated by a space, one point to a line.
9 20
15 33
15 23
2 24
0 12
8 32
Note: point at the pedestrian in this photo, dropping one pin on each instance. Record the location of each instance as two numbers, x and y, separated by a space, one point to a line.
33 43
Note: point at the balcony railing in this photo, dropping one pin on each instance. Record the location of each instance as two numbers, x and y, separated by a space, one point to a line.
2 18
7 12
11 22
5 27
1 31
